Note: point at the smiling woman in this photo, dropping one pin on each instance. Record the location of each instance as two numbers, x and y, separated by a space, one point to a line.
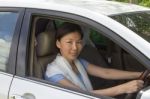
69 70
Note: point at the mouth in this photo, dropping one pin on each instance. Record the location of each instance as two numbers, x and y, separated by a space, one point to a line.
74 54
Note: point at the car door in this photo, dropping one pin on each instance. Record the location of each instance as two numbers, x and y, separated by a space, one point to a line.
24 86
9 19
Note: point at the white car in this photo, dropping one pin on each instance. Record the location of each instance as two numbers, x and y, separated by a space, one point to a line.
117 35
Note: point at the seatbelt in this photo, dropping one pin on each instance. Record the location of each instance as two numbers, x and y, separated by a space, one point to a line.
109 52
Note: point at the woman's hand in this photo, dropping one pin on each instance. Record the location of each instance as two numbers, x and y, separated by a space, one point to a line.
132 86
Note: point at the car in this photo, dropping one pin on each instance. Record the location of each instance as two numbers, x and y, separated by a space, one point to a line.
116 35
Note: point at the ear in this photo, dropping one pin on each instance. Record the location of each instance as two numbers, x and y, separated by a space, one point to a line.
58 44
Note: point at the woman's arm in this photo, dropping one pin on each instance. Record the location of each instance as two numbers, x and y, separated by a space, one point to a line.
111 73
67 83
129 87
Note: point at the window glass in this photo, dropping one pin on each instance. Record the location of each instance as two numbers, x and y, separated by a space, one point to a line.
7 26
137 22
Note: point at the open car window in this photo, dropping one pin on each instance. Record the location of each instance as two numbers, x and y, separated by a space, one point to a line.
100 51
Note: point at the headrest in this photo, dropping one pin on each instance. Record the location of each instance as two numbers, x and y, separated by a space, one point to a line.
46 43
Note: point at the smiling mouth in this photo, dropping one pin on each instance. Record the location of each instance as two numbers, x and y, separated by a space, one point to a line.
74 54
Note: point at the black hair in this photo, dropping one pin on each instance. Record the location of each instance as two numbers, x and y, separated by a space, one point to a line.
67 28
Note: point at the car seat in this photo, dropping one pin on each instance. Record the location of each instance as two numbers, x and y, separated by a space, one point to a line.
45 50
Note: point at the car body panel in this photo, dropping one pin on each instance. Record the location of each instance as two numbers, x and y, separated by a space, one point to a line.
23 87
92 5
144 93
5 82
103 7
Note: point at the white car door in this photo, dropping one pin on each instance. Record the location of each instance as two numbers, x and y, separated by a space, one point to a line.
23 88
5 81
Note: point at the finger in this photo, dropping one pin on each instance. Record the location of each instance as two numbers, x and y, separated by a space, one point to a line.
140 84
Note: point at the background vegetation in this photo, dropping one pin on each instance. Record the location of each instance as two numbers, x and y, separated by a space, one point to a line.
140 2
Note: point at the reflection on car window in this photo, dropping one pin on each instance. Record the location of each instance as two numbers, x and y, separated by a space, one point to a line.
7 26
138 22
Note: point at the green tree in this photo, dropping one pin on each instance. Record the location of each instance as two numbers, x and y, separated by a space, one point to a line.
140 2
145 3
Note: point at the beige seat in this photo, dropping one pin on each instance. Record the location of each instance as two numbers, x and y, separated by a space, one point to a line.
45 52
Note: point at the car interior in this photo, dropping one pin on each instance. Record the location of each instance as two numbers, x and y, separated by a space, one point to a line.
42 50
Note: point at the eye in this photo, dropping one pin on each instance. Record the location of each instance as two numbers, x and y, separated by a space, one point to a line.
69 42
79 42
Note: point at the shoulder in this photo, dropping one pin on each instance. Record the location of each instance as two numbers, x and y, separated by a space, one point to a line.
53 68
84 62
81 59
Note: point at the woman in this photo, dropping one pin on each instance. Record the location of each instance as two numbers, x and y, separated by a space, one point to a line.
71 71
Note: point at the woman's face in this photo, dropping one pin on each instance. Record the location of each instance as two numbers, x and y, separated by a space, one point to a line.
70 46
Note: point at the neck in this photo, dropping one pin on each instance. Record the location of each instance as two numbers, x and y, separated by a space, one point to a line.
71 62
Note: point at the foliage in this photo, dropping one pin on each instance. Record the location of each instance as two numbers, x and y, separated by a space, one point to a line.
140 2
145 3
122 0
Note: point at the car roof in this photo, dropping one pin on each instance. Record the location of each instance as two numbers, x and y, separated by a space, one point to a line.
99 6
103 6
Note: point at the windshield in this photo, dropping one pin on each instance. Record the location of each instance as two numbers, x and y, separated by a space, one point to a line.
137 22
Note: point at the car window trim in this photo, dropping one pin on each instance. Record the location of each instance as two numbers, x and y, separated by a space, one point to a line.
11 68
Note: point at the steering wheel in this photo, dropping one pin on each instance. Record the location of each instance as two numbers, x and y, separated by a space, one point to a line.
145 77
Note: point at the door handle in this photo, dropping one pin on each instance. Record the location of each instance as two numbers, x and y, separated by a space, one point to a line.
24 96
16 97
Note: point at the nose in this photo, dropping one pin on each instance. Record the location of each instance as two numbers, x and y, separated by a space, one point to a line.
74 46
